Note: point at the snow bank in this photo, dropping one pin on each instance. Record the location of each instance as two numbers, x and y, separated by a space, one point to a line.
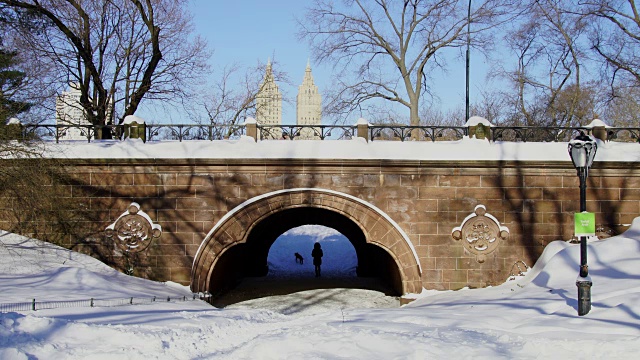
532 318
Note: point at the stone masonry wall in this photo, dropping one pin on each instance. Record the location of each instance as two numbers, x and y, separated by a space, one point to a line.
535 201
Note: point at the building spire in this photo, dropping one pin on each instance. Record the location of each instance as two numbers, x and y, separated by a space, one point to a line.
308 76
268 74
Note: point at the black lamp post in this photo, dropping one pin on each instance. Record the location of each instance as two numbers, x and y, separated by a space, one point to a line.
582 150
467 62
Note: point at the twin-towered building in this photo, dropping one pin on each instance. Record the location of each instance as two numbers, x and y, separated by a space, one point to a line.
69 111
308 104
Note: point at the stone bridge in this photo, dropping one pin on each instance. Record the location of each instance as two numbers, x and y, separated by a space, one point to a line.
417 214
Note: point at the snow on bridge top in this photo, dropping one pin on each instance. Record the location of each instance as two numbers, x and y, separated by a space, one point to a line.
466 149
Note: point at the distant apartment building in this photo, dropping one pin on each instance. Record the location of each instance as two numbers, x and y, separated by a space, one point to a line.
69 111
269 103
308 106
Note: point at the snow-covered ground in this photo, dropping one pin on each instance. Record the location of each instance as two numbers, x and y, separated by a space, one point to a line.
533 317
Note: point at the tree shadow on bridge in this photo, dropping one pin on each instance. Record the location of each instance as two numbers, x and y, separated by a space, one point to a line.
539 211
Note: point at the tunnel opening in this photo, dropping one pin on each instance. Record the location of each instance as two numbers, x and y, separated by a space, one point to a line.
290 255
244 270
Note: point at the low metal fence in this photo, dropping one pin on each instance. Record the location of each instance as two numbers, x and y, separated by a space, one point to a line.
34 305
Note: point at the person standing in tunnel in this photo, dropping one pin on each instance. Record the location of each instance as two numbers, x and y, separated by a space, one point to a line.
316 254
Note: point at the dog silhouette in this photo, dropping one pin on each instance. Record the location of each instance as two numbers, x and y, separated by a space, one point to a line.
299 258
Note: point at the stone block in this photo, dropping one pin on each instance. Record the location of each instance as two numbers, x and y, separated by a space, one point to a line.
435 285
347 180
192 179
455 276
446 263
432 275
203 203
175 261
181 275
608 182
481 194
423 228
543 181
458 181
176 191
393 192
110 178
620 207
435 193
440 251
501 181
435 240
419 180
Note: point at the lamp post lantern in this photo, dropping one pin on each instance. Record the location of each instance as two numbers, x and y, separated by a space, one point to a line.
582 151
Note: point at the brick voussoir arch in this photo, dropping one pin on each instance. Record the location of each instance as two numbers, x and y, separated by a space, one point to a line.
235 226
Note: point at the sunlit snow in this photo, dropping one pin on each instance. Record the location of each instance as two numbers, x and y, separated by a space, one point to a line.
532 317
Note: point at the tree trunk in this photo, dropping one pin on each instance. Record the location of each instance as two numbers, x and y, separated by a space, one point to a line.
415 118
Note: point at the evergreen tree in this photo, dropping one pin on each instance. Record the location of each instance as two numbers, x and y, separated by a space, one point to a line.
11 80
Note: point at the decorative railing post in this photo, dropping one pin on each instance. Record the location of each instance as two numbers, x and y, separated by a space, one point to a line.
135 128
252 128
598 129
363 129
13 130
479 127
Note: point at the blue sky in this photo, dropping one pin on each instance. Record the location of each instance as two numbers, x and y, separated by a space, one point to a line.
248 31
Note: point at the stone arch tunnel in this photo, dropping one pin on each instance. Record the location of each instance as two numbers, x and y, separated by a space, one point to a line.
239 243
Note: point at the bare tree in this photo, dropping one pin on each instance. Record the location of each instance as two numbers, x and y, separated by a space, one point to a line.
392 46
547 79
117 52
615 37
624 109
233 95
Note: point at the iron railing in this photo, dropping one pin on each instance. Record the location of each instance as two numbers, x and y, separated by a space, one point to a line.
624 134
308 132
58 132
536 134
406 132
183 132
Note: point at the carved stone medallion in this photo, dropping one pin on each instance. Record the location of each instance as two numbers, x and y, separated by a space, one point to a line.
480 233
133 230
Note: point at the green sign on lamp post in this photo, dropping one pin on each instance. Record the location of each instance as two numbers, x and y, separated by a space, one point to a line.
585 224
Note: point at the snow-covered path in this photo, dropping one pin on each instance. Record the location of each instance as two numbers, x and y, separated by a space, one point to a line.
533 317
